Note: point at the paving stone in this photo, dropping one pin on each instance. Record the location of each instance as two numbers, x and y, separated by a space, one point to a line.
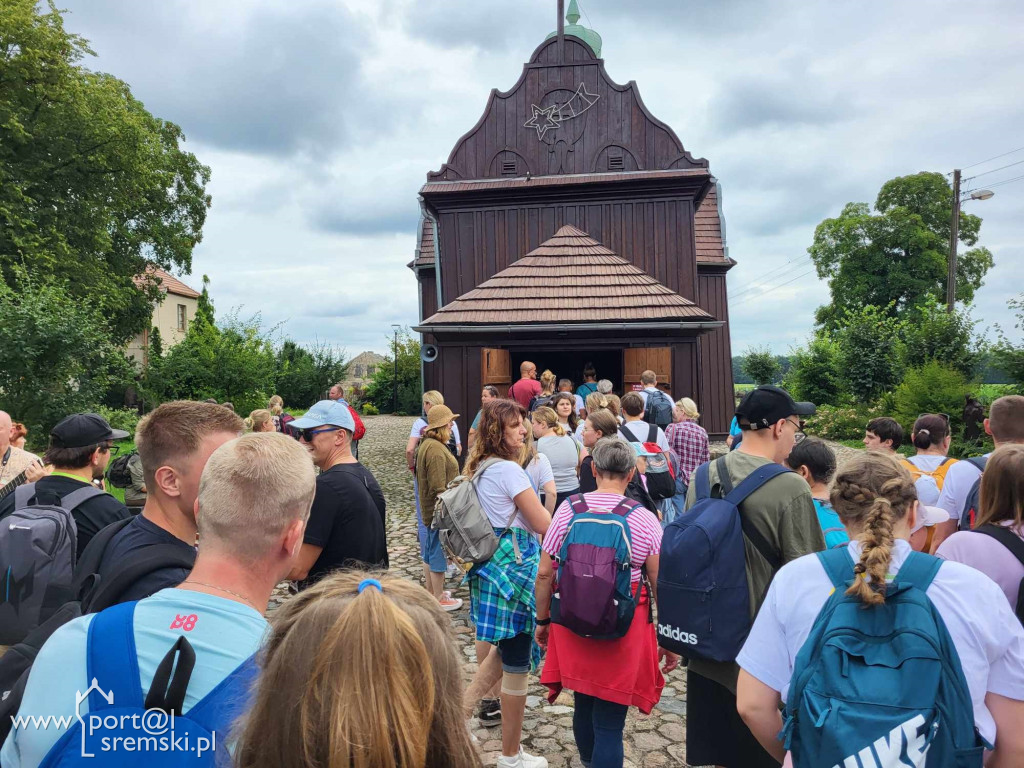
655 760
673 732
557 709
648 742
546 730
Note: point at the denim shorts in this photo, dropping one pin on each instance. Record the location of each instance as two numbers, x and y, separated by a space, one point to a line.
515 653
431 552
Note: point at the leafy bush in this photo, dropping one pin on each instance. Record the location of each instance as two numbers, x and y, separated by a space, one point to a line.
381 391
120 418
761 366
815 374
1008 356
870 352
843 422
932 388
935 334
304 375
369 409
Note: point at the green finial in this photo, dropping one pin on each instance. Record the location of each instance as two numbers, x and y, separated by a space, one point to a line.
573 14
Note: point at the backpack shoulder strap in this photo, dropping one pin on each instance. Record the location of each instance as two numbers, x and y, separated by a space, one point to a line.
627 505
1006 537
652 433
578 504
753 481
79 496
92 556
101 594
918 570
702 478
911 467
724 478
978 461
111 659
838 565
23 495
227 700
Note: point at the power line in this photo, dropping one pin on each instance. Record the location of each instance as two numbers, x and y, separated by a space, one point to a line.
787 266
982 162
1005 181
985 173
773 288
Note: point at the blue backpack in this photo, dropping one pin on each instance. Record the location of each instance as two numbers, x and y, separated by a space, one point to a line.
196 738
880 683
703 598
593 596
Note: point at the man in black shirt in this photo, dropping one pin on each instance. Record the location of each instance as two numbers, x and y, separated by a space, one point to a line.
346 524
80 449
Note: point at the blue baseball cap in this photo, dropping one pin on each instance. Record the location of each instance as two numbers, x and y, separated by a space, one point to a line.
323 413
638 448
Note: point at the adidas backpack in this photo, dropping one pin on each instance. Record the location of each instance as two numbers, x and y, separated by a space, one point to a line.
703 598
38 550
593 596
658 409
118 711
880 685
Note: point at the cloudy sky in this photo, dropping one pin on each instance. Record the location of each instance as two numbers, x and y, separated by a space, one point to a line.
320 120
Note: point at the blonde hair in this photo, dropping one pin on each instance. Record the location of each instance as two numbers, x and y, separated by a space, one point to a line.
251 489
258 418
358 679
874 491
595 402
614 405
688 407
547 381
433 397
275 405
175 431
529 450
442 433
548 418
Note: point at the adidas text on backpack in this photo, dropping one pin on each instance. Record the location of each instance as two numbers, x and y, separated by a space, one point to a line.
658 409
593 595
703 598
880 685
38 549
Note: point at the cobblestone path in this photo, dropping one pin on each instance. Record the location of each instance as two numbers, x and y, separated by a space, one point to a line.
650 742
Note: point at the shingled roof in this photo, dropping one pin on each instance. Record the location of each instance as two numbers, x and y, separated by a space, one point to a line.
425 251
169 283
707 225
571 278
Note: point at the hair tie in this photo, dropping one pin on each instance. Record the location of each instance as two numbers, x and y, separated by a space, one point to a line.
369 583
858 568
924 432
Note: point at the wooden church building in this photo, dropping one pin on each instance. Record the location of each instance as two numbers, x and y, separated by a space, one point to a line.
570 226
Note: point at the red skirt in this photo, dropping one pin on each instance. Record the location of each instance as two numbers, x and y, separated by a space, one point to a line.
624 670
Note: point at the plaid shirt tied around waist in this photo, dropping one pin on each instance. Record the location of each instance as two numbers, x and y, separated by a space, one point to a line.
501 591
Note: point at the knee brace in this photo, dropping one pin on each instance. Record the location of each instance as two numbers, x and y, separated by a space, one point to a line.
513 683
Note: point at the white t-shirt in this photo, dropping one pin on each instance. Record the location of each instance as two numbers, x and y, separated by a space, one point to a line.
539 471
564 456
497 489
420 426
984 630
927 487
640 429
957 485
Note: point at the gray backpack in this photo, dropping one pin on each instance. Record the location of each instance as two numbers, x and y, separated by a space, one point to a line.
466 534
38 549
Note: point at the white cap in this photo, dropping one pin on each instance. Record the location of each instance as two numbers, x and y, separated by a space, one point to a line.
927 516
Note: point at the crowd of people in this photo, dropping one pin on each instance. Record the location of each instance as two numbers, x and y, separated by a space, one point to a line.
603 515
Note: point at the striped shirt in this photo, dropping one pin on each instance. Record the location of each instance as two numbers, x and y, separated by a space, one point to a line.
689 441
644 529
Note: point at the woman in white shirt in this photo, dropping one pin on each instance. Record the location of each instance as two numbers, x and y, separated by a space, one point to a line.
562 451
931 438
876 500
502 600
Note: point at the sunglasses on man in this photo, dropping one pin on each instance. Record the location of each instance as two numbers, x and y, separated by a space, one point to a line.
309 433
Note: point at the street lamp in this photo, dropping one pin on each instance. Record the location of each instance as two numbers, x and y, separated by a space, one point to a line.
394 406
954 234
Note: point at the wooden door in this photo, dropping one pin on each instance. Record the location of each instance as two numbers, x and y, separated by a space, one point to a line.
496 369
637 360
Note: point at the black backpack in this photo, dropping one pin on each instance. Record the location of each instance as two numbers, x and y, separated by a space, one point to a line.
658 409
93 595
1012 542
118 474
970 511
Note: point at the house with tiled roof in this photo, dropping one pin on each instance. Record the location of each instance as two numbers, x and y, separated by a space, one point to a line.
570 226
172 314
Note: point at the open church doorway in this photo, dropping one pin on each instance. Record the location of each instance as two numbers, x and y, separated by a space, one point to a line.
569 363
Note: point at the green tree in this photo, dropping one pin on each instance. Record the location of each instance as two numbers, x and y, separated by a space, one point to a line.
815 373
761 366
931 388
932 333
381 391
895 257
870 352
92 186
1008 356
304 375
55 356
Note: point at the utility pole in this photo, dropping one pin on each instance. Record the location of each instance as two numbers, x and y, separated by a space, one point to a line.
394 406
954 236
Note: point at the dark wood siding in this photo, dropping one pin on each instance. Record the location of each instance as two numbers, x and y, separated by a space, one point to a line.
716 385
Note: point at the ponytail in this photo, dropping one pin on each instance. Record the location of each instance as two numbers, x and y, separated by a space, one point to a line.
546 415
877 541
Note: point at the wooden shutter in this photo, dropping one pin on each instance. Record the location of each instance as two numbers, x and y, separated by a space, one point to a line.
636 361
495 369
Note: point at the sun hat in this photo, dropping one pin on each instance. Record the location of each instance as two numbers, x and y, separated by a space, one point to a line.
439 416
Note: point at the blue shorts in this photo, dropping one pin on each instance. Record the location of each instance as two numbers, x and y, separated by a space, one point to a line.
431 552
515 653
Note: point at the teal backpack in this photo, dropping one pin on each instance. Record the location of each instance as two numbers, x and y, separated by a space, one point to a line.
882 685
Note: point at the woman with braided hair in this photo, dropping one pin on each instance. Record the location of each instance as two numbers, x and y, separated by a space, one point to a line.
877 502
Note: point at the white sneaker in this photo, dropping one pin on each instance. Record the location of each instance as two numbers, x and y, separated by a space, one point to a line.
522 760
450 603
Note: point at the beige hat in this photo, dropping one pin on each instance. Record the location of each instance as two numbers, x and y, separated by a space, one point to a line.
440 415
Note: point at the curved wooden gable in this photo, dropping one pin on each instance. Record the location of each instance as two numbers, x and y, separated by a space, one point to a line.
565 118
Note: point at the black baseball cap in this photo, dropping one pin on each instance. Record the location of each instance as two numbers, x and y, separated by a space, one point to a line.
80 430
766 405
